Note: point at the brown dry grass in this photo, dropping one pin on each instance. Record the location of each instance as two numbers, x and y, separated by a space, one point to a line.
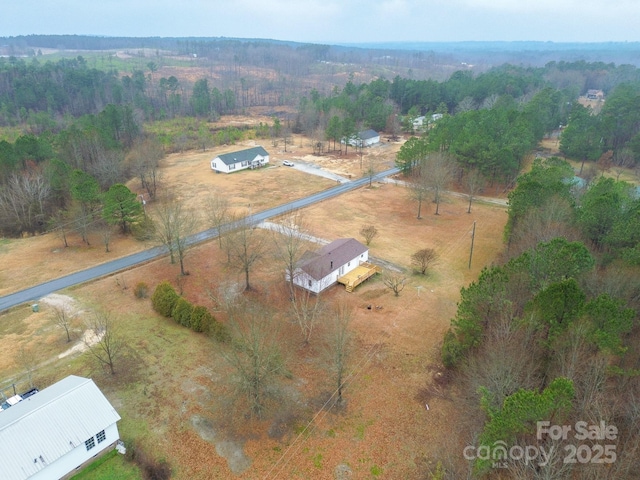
33 260
170 374
29 261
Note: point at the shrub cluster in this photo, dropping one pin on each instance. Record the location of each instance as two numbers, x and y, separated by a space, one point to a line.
151 468
168 303
164 299
141 290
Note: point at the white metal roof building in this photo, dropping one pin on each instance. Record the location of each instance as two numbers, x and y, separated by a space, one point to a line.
55 431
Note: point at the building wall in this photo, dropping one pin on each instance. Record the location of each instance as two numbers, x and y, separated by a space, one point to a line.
77 456
303 280
219 166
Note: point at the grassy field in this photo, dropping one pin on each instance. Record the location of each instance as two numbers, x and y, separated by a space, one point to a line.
112 466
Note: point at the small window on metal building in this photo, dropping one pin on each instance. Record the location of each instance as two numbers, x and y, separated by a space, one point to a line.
90 443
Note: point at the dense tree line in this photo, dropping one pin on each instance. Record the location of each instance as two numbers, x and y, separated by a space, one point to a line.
492 140
552 333
87 119
42 94
615 128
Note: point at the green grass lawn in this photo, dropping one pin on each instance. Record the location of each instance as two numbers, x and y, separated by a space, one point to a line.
112 466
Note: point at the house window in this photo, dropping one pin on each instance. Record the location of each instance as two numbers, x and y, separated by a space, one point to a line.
245 163
309 282
90 443
101 437
232 166
349 264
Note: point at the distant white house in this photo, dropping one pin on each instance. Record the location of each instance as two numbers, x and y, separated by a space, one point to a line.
593 94
231 162
418 122
436 116
56 431
319 270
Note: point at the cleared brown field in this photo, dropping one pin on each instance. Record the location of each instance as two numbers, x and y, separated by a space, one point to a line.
171 379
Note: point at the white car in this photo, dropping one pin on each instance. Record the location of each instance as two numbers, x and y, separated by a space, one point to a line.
287 163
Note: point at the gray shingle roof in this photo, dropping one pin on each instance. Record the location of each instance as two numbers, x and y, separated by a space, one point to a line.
367 134
242 155
330 257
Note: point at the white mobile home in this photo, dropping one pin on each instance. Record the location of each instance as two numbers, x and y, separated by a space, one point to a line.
56 431
232 162
321 269
366 138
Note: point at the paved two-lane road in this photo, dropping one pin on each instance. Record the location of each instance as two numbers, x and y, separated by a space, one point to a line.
123 263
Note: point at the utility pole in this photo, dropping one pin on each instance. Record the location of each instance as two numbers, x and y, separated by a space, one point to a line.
473 236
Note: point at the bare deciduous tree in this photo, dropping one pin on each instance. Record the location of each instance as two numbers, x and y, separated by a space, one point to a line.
423 259
23 202
106 167
174 224
83 220
605 162
106 231
245 245
217 213
395 281
107 344
542 224
369 232
144 162
63 316
419 187
370 172
393 126
306 310
473 183
439 169
59 222
338 340
622 161
290 239
466 104
255 354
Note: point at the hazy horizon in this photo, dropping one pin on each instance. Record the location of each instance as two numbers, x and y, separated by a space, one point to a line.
334 21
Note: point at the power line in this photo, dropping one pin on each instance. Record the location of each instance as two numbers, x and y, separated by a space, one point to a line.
366 358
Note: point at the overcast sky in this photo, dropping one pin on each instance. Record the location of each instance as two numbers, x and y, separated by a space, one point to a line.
331 21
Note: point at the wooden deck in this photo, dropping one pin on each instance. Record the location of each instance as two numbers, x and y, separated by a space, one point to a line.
358 275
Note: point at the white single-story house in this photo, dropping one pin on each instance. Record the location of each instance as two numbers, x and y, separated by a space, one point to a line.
231 162
55 431
319 270
366 138
436 116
